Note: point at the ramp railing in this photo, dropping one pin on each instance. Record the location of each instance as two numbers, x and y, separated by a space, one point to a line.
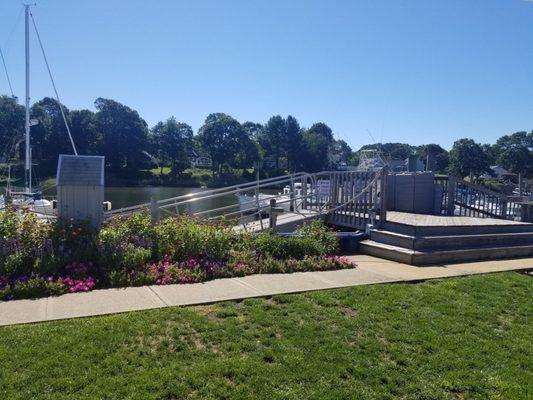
346 198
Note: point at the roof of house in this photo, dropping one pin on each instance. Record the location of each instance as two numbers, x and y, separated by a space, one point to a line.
80 170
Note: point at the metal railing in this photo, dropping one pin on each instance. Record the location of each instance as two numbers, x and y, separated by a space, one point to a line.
343 197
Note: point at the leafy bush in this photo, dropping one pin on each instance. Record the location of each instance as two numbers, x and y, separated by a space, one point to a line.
46 258
309 240
126 242
182 237
23 240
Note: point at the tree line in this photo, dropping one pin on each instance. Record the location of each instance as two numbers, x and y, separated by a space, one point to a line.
467 157
120 134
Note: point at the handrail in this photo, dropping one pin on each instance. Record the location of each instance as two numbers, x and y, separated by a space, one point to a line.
213 193
303 196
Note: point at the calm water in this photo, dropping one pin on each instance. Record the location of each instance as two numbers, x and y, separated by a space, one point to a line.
129 196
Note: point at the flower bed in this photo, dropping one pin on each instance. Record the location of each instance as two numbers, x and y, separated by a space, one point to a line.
40 259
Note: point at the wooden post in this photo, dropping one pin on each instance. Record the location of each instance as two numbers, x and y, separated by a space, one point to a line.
272 214
450 206
504 208
154 209
291 194
304 192
383 196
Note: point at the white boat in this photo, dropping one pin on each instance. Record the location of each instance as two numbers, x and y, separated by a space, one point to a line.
370 160
249 203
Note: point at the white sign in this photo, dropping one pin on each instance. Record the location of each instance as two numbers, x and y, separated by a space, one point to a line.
324 187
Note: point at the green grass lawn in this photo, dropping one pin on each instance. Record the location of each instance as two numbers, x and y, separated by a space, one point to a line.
459 338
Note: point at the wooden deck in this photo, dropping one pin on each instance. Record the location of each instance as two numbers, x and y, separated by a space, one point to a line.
441 220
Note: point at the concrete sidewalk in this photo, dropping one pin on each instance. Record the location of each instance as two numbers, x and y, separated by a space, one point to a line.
370 270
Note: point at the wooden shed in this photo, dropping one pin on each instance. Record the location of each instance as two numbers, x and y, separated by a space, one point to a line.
80 188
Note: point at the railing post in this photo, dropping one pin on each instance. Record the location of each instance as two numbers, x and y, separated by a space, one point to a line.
304 192
291 188
272 214
450 206
504 208
154 209
383 196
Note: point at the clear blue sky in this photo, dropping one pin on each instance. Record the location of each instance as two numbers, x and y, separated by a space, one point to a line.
406 71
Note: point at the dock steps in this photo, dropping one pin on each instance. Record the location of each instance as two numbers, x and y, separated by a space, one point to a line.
429 257
439 244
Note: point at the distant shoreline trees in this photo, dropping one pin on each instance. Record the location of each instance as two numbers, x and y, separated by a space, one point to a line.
120 134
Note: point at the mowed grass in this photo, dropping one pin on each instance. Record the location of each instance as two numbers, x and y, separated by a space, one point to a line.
459 338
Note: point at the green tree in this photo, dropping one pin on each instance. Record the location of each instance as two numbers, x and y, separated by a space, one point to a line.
11 125
84 129
342 150
467 158
323 130
397 151
223 138
124 134
315 152
436 153
293 133
514 152
316 145
273 139
49 137
174 141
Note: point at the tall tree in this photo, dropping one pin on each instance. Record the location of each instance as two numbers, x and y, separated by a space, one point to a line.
84 129
435 154
293 133
251 153
175 142
342 150
314 151
49 137
467 158
397 151
515 153
316 145
274 139
11 125
323 130
125 136
223 138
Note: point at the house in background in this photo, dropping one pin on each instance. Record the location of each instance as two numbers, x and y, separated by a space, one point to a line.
200 159
499 173
269 162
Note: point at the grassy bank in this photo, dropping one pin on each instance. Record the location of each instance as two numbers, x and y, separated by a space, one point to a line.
451 339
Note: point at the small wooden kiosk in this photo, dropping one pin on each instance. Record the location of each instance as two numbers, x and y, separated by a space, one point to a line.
80 188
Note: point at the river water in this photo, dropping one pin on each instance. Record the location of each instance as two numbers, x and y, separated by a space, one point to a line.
129 196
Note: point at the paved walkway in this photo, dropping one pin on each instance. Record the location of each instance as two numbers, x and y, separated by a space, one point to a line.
370 270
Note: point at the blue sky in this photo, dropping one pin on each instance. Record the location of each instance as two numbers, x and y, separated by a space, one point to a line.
404 71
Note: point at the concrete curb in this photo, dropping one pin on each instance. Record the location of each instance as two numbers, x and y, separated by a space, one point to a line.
370 270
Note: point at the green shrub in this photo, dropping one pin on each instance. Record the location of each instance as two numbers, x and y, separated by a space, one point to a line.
32 288
182 237
23 240
310 240
126 242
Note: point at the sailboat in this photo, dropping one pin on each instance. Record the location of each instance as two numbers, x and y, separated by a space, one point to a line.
28 197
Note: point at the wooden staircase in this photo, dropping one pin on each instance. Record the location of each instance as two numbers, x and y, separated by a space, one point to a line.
434 244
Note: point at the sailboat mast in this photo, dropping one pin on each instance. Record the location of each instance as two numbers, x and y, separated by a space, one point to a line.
27 162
